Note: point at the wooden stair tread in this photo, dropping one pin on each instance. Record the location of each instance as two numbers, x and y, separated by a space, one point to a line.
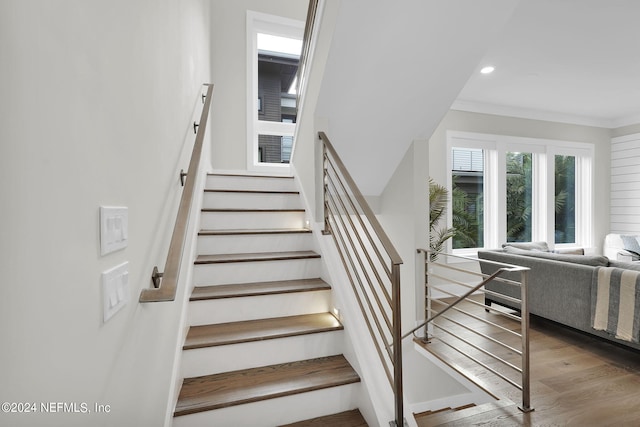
250 210
258 288
258 330
255 384
258 256
439 418
351 418
253 231
224 190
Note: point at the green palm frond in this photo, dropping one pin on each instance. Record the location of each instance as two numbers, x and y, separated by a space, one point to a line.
438 203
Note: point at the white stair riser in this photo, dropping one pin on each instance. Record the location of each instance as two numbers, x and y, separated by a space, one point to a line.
251 220
233 357
252 243
282 410
262 271
207 312
230 182
223 200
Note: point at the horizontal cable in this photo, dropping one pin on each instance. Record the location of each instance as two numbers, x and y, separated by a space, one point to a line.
477 347
488 322
480 334
366 253
362 287
358 215
362 309
375 224
484 365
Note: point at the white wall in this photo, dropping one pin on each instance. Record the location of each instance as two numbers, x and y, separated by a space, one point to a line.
625 184
96 100
229 71
404 213
394 69
306 158
500 125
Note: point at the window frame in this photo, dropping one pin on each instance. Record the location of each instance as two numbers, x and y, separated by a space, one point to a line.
543 153
258 22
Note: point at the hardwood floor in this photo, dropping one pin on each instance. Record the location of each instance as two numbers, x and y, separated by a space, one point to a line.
576 380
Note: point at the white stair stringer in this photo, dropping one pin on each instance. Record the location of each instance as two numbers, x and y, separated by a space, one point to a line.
232 357
258 271
244 219
253 182
251 200
286 240
207 312
247 219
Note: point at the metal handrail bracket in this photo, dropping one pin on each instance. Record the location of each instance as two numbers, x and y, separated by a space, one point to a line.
167 287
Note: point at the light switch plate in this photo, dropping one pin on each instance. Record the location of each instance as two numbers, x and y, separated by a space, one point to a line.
114 229
115 289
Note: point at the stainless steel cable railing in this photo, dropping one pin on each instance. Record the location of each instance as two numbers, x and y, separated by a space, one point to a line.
371 262
166 283
456 325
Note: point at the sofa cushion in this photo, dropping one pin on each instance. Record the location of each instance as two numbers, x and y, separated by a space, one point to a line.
570 251
592 260
528 246
625 265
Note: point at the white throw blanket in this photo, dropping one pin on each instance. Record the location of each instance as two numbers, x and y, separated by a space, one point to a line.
617 303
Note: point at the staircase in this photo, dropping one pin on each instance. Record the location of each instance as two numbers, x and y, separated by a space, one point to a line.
262 348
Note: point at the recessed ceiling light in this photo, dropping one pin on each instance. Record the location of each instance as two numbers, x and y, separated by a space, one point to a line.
488 69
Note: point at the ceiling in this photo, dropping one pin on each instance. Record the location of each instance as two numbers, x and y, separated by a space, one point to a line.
393 69
575 61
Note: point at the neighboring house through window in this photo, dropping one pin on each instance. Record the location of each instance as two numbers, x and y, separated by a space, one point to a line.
274 46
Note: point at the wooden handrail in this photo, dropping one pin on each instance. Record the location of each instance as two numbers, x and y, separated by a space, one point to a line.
166 291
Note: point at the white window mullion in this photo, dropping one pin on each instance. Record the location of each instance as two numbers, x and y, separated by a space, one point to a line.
540 202
584 201
498 229
550 187
543 155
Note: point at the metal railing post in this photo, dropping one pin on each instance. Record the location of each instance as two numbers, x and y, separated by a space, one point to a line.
371 263
427 296
325 188
524 319
397 346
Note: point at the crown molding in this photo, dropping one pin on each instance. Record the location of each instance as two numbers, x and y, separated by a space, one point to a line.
525 113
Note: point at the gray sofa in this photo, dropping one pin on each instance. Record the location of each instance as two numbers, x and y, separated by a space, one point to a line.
560 284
